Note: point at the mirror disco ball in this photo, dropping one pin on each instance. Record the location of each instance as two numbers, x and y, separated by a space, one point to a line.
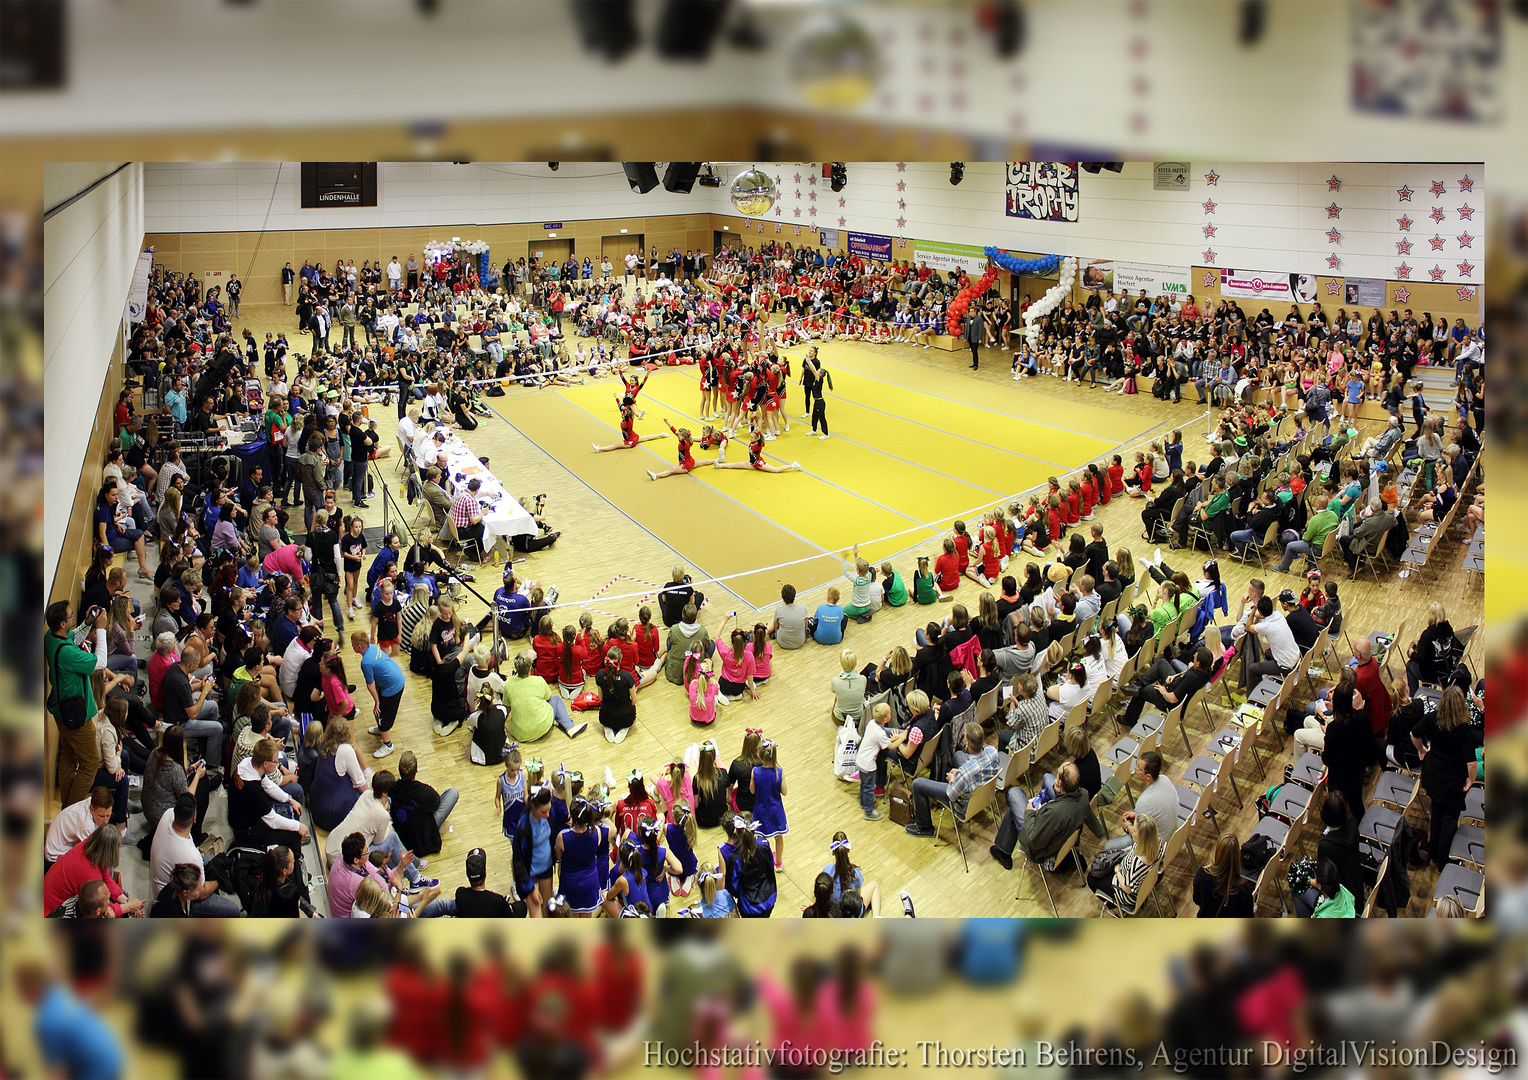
835 62
753 192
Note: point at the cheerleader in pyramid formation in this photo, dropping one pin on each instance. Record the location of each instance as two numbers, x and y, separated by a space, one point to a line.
629 416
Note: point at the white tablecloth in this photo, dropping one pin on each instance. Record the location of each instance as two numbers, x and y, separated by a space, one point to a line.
503 515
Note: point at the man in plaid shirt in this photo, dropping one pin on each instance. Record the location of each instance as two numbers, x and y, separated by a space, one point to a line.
980 765
467 515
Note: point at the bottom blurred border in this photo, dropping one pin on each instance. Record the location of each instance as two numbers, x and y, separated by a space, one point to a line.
376 1000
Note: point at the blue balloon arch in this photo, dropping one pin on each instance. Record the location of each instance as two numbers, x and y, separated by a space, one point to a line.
1045 264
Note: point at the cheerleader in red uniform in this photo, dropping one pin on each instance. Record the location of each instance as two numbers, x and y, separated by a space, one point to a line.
633 386
1101 488
687 461
1073 502
774 405
1089 497
710 382
756 457
629 436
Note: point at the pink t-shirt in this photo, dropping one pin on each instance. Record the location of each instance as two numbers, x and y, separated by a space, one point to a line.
336 697
702 709
285 560
761 664
738 669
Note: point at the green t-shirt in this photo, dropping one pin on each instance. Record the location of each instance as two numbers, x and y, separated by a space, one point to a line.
923 588
1338 907
895 591
273 418
1217 504
74 667
1319 527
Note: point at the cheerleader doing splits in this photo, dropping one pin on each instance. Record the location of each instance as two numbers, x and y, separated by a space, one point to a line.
687 461
629 436
755 457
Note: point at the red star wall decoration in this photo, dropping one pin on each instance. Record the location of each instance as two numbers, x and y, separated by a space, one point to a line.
1403 223
1402 295
812 179
798 229
1208 205
901 166
901 185
797 211
1437 213
1333 210
1436 241
798 193
1333 288
1332 235
1466 268
1209 255
777 211
1466 293
840 202
1404 194
1439 188
840 223
901 204
1436 273
1209 231
1403 272
1466 212
1333 261
1465 183
1209 279
1334 184
1403 247
812 195
1465 240
1211 178
796 180
901 223
812 211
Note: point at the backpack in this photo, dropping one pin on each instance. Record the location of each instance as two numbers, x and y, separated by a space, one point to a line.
1256 852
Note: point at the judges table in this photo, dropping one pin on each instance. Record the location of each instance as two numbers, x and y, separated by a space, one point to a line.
503 516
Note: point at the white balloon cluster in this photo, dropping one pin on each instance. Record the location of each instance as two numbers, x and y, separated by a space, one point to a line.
1053 298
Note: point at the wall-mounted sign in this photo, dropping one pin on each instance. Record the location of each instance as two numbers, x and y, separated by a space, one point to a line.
552 225
1170 176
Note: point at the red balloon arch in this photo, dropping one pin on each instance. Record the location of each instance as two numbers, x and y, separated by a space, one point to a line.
956 316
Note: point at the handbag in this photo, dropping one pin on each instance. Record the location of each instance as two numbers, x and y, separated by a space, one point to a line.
845 749
71 711
1101 871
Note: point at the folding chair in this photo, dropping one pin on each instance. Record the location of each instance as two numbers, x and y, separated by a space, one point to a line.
1475 805
1396 790
1048 739
1068 850
986 705
451 538
1309 771
1020 758
1375 559
1372 903
1077 716
925 758
1465 885
979 800
1469 847
1463 638
1207 769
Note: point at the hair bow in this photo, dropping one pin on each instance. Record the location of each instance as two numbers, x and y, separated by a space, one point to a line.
757 828
840 845
694 654
766 742
634 775
537 789
533 764
708 873
631 913
753 731
671 766
738 822
709 744
511 745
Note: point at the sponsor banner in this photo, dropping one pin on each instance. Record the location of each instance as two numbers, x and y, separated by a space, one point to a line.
1042 190
1370 292
1256 285
870 246
947 257
828 238
1105 275
1169 176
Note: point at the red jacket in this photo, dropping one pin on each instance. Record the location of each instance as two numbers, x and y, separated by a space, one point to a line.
66 877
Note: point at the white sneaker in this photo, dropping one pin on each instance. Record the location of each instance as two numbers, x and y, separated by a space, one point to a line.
641 413
577 730
374 730
824 435
721 699
620 736
651 475
796 465
383 751
1017 377
596 447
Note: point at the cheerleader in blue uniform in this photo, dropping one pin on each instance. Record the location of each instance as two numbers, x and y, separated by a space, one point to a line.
509 794
630 886
662 863
578 856
680 833
768 786
754 873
